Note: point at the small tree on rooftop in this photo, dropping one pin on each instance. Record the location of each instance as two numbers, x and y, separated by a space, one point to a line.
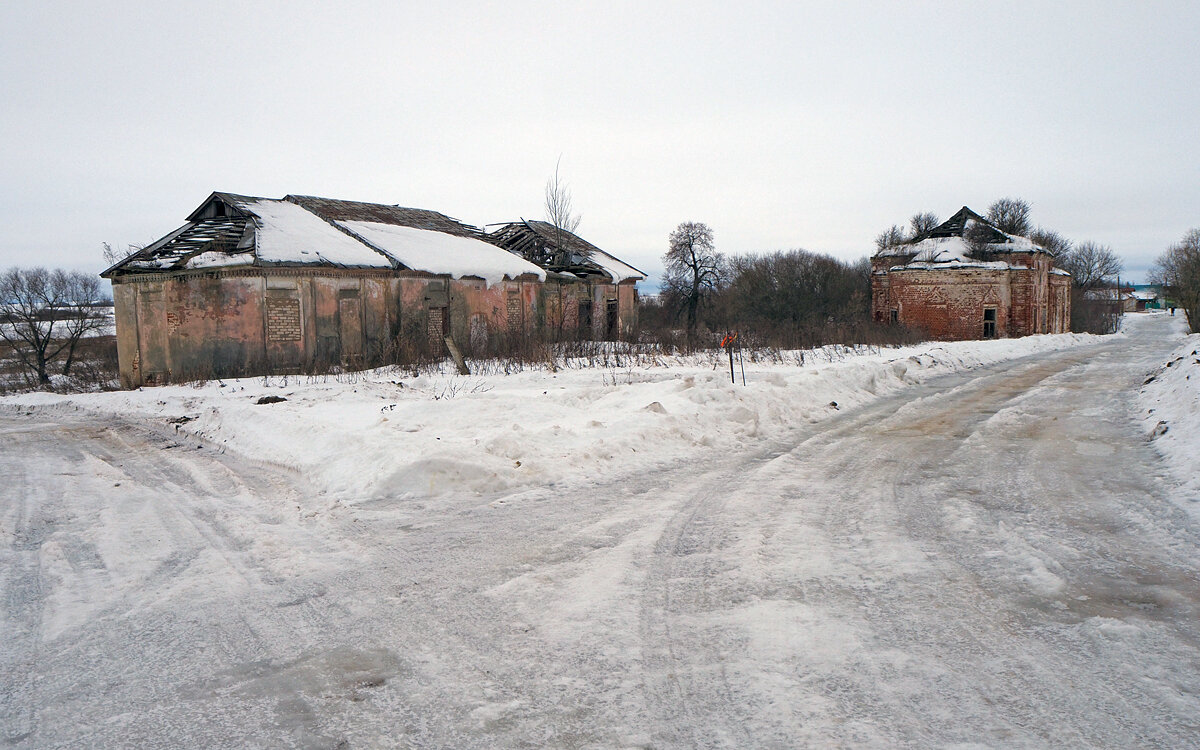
923 222
1010 215
890 237
1057 244
112 255
561 214
979 238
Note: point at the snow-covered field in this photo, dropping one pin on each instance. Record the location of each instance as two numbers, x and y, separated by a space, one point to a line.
107 328
374 434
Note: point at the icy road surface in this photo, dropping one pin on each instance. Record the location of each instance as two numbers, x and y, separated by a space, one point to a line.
991 559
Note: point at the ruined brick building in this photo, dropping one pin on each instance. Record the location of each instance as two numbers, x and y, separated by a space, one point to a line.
967 279
251 286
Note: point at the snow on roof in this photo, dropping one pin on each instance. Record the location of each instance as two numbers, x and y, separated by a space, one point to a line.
997 265
441 253
218 259
241 230
616 269
946 252
946 243
288 233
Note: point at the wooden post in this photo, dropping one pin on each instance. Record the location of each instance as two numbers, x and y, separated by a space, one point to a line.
457 356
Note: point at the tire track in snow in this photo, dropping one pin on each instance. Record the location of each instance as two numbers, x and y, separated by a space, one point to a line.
193 489
23 592
1045 514
921 647
180 503
685 709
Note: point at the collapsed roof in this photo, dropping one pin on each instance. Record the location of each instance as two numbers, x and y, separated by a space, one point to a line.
965 240
561 251
230 230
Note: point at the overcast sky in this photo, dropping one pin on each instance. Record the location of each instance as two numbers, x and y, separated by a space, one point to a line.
780 125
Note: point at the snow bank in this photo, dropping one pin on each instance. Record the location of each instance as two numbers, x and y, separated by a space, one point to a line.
1170 402
379 434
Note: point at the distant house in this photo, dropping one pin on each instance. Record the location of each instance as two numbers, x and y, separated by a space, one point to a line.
1114 301
254 285
967 279
1148 296
1130 301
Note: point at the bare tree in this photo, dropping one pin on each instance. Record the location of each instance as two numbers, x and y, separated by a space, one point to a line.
112 256
1058 245
923 222
1178 272
1091 265
890 238
1095 308
979 238
44 314
694 269
798 288
560 213
1010 215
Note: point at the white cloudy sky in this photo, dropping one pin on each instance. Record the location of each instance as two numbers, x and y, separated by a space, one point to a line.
780 125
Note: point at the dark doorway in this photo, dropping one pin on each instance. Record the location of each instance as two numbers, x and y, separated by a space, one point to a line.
585 319
610 320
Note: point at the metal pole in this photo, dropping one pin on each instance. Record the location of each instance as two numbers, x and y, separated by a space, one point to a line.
742 364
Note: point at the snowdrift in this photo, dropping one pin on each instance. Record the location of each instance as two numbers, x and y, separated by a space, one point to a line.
377 436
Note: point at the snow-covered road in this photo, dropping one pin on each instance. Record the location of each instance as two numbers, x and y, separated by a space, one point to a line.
988 559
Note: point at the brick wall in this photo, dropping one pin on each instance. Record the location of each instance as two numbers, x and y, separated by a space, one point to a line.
283 319
950 303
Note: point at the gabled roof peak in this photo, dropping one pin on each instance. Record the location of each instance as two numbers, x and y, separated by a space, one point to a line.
956 225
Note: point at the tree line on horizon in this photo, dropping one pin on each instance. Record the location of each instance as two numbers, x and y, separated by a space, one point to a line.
788 298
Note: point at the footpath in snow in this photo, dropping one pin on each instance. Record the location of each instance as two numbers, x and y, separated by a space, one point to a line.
378 434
